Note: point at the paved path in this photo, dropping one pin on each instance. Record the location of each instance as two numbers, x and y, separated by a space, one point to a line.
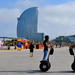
20 63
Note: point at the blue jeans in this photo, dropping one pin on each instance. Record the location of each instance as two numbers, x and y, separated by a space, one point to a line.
45 54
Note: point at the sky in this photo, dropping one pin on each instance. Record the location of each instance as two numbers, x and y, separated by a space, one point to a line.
55 18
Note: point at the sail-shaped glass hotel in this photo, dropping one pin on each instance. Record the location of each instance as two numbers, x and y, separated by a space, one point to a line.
27 25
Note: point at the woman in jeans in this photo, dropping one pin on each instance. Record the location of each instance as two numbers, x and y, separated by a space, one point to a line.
45 43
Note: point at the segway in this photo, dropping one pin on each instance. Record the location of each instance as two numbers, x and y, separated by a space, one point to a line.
72 52
45 65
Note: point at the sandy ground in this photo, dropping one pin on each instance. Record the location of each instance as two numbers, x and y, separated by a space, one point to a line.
20 62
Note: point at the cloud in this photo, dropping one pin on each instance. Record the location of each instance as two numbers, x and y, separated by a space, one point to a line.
25 3
8 21
28 3
57 20
9 15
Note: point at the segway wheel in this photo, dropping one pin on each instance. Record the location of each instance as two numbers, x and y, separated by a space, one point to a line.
73 66
45 66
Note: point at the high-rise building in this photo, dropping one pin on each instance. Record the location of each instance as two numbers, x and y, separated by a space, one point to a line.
27 25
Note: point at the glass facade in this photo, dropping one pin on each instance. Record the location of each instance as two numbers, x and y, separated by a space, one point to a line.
27 25
65 38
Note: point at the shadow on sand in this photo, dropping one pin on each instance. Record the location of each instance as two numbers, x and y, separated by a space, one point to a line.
36 71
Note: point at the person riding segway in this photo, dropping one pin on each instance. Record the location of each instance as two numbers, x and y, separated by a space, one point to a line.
45 64
72 52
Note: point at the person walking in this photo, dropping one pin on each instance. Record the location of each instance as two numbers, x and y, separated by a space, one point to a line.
46 46
26 45
31 47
